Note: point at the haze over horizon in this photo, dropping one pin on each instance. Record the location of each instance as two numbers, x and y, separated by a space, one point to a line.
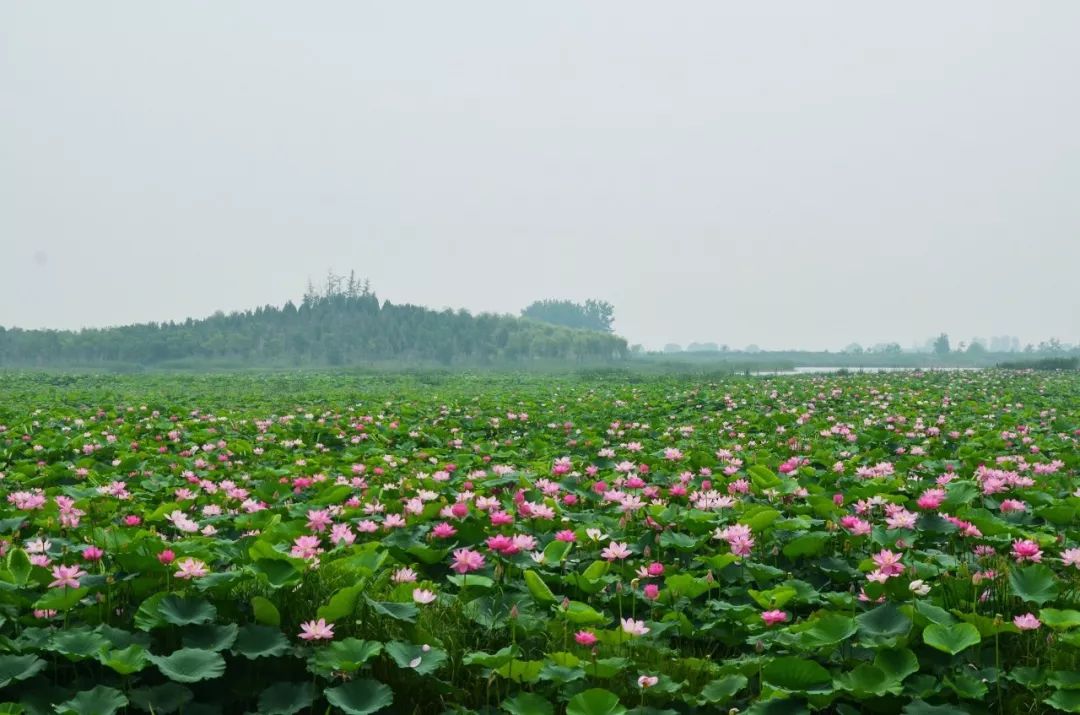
858 175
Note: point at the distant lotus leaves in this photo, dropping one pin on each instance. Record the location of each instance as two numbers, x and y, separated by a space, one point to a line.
597 543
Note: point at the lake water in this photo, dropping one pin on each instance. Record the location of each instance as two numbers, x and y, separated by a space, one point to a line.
827 370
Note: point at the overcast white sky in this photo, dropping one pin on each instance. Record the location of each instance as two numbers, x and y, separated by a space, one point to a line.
781 173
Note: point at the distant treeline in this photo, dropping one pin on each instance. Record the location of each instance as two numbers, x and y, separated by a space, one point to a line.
344 325
784 359
1048 363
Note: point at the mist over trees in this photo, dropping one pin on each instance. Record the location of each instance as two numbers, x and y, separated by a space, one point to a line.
590 315
341 323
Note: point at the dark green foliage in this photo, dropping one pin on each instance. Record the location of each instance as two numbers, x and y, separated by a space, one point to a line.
1050 363
342 326
590 315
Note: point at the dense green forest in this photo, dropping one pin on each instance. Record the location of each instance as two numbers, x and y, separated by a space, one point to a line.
343 324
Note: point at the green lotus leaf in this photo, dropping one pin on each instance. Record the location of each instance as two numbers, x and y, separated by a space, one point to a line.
255 641
101 700
360 697
286 698
595 701
19 667
190 665
953 638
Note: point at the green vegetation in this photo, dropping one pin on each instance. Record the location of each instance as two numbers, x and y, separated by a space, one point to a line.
611 542
344 325
1049 363
590 315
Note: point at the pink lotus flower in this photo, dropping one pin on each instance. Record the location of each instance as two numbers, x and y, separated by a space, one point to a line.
773 617
566 535
585 638
524 542
647 681
888 563
305 547
901 519
501 543
423 596
738 537
739 486
442 530
634 628
741 546
501 518
652 591
191 568
166 557
316 630
66 576
466 560
1026 550
1071 557
877 576
1027 622
857 526
403 575
319 520
615 550
92 553
931 499
342 534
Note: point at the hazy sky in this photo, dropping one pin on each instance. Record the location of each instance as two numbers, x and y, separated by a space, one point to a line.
780 173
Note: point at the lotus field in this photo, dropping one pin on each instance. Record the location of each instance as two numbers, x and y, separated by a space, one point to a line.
589 545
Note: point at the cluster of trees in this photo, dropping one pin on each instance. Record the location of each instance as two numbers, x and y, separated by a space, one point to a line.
343 323
941 345
878 349
1046 363
937 352
590 315
1001 344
